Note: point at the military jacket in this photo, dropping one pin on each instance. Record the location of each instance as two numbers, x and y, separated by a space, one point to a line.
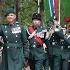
32 40
12 33
55 42
15 45
36 50
66 43
56 38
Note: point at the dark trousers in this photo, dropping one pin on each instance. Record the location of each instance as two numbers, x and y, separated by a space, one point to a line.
39 64
69 66
56 63
31 64
0 62
12 59
35 64
66 59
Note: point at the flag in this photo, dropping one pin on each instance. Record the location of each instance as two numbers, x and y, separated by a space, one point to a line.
53 6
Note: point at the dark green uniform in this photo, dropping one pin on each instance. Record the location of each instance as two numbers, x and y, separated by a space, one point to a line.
37 54
15 40
1 52
55 50
49 52
66 54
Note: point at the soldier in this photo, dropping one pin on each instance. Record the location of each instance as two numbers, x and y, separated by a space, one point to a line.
54 41
66 54
1 44
50 23
66 47
37 35
15 42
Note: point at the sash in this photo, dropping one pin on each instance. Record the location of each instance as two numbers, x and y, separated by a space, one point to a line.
38 39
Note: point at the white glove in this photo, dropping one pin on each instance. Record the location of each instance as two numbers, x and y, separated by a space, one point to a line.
32 35
68 36
44 46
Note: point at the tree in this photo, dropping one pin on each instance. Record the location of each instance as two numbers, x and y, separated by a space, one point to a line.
28 7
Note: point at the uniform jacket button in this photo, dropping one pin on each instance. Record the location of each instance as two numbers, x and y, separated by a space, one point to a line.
7 47
6 36
16 35
16 41
5 31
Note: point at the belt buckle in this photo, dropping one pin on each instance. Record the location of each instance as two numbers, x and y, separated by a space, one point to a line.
8 47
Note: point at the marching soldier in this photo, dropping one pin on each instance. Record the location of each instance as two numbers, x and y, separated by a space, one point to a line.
36 36
15 42
1 44
54 41
66 54
66 47
50 23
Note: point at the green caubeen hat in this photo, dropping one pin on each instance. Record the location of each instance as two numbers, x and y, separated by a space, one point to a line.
10 10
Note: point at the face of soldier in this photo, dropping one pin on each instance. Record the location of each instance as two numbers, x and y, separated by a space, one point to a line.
11 17
36 22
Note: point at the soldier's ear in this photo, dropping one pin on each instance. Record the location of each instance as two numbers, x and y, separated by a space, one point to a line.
15 16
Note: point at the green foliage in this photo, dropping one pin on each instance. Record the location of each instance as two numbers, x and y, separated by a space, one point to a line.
9 3
28 7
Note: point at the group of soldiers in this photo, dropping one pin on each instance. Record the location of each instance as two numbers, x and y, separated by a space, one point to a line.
40 47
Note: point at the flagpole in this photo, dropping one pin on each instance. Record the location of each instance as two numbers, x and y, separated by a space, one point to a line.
59 12
38 6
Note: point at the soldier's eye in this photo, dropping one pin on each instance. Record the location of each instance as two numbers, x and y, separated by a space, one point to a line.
11 15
